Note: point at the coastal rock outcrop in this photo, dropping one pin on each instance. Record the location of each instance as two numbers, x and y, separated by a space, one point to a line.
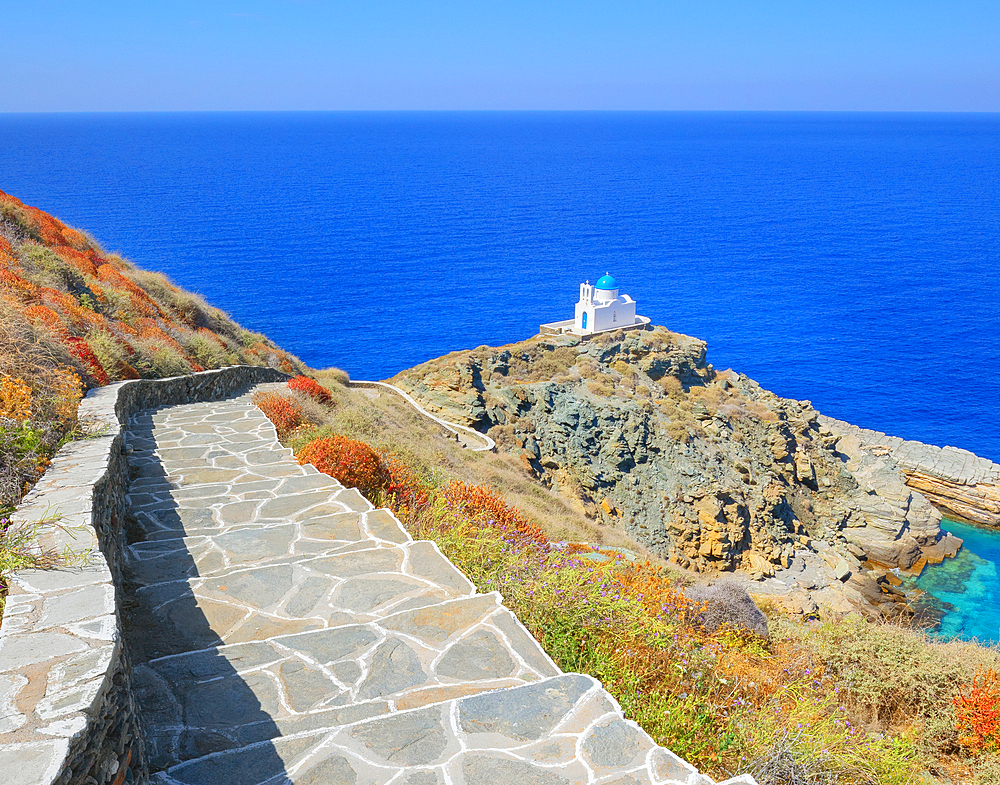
958 482
706 469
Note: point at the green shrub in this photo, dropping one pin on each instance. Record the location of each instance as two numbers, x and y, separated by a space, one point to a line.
155 360
206 353
50 270
108 350
24 450
893 674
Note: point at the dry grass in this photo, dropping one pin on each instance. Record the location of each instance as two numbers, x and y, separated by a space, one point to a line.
896 676
73 317
71 313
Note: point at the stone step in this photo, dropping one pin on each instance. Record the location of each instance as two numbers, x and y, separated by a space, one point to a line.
358 584
212 509
284 630
233 695
174 558
563 730
152 479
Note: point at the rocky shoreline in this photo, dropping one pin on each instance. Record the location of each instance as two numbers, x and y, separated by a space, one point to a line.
706 469
960 483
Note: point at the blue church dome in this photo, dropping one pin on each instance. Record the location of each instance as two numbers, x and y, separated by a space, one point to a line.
607 283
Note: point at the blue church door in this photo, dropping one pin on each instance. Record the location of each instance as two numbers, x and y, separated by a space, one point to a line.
584 324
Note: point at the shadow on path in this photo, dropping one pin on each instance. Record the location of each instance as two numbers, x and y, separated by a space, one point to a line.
192 697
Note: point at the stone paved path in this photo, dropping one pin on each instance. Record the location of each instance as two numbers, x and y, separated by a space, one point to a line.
283 630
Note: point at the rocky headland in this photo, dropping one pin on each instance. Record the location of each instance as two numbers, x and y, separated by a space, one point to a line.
706 469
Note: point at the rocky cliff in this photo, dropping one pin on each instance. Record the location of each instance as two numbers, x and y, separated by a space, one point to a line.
707 469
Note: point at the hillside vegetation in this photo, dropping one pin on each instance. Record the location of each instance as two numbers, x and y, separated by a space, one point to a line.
816 702
73 317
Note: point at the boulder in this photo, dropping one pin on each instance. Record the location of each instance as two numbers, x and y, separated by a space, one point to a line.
842 571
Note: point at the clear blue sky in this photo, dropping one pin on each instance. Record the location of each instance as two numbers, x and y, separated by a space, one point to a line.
75 55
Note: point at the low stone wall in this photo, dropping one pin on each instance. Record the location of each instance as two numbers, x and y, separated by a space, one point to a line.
67 713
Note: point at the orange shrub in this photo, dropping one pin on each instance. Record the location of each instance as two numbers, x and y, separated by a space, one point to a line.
81 261
260 349
977 712
485 504
66 390
81 319
141 302
15 399
150 329
353 463
285 413
6 250
659 595
51 229
22 289
76 239
310 387
45 315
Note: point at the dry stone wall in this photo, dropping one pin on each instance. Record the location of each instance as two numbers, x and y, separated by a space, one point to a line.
67 711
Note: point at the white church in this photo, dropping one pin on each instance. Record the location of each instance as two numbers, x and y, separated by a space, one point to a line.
600 309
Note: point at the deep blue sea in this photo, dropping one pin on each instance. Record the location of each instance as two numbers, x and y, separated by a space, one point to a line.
849 259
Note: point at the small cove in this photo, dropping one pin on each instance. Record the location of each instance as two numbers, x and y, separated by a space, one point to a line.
967 588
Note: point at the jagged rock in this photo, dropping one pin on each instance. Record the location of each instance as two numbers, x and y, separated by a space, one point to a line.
842 571
903 553
758 565
962 484
799 602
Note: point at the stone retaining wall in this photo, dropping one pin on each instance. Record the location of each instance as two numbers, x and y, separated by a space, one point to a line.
67 713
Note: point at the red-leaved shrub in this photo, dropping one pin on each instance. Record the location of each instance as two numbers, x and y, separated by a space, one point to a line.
353 463
82 351
281 410
310 387
977 713
404 491
485 504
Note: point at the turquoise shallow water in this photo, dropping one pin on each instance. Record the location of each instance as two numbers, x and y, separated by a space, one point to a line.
968 586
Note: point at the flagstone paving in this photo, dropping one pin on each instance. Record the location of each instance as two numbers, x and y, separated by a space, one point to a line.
284 630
